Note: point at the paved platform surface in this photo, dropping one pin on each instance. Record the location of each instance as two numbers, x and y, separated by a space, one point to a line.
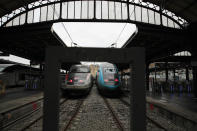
182 104
17 97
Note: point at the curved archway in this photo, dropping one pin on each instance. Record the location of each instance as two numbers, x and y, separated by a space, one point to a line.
183 53
131 11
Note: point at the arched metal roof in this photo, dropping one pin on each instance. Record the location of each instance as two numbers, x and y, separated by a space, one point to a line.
7 6
187 9
183 8
162 16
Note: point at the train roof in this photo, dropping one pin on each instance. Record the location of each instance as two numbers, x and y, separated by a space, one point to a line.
80 65
107 65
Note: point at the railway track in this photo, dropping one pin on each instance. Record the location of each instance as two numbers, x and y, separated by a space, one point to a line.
94 115
38 119
74 114
25 122
9 120
118 122
148 118
67 107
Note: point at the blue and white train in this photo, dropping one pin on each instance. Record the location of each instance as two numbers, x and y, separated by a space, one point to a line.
108 79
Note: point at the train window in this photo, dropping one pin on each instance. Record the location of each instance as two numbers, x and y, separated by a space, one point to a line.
80 69
109 70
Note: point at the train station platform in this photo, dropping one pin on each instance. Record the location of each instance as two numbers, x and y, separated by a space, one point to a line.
184 105
17 97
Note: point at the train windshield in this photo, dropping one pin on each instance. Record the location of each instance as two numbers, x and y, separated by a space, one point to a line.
80 70
110 73
109 70
75 76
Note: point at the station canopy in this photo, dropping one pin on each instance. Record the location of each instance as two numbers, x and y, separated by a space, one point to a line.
31 45
184 8
7 6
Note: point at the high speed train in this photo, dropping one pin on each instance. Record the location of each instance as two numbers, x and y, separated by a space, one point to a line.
108 79
78 81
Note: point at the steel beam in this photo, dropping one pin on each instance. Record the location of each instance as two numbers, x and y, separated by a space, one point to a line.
127 2
51 93
194 69
137 94
133 56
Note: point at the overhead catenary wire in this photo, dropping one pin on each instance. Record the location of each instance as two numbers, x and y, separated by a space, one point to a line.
67 32
120 33
64 27
122 30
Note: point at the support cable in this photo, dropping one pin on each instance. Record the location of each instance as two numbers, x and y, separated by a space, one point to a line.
120 33
64 27
122 30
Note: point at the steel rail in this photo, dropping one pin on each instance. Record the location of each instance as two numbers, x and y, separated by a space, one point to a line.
120 126
156 123
22 117
29 125
18 107
74 115
39 118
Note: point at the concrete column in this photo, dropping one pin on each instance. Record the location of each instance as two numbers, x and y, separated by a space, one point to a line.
166 71
187 73
137 94
51 94
195 80
174 71
147 77
155 75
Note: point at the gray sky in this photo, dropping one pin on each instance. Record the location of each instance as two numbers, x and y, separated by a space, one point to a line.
89 35
15 59
94 34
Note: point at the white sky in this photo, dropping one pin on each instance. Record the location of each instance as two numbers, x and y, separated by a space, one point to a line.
15 59
94 34
89 35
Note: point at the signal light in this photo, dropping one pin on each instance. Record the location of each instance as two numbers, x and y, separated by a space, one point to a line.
116 80
106 80
71 80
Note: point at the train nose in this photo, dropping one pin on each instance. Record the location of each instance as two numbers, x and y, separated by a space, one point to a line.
111 81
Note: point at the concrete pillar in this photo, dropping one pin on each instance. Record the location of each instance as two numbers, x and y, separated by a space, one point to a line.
155 75
166 71
51 94
137 95
195 80
147 77
187 73
174 76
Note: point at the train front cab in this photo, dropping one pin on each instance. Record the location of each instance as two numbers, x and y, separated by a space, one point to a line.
108 83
